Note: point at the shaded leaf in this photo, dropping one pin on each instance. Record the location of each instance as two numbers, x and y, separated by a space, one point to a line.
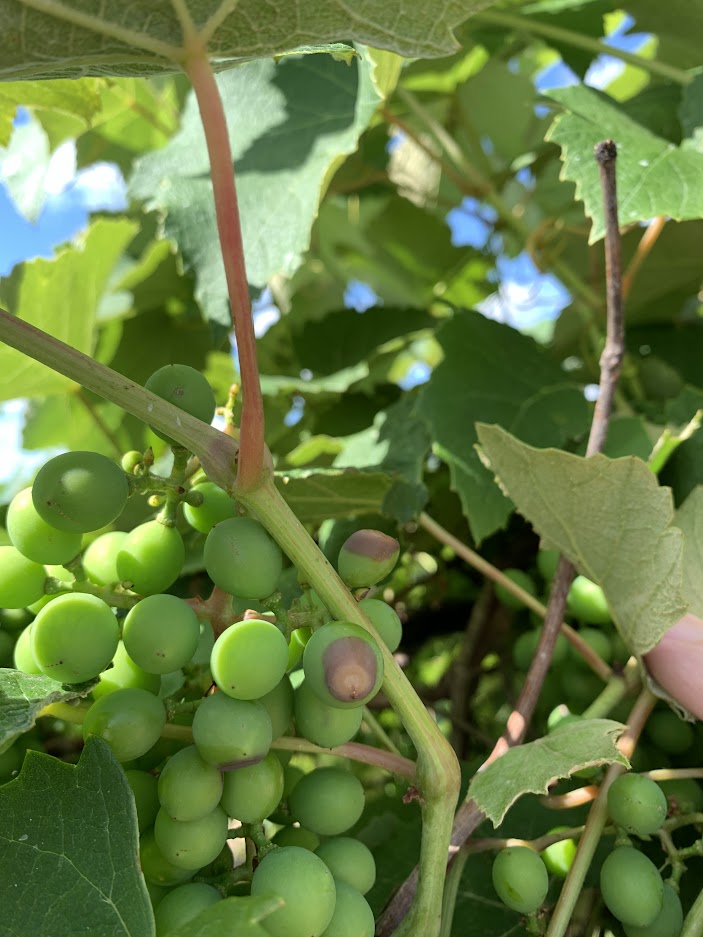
68 856
318 494
610 518
689 518
531 768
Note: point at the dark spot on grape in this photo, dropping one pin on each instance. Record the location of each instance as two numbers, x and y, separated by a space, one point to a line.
242 763
350 668
372 544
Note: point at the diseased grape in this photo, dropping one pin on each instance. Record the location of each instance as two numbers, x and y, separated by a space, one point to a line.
343 664
367 557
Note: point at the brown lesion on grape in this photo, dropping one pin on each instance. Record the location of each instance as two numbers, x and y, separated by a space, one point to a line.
372 544
350 669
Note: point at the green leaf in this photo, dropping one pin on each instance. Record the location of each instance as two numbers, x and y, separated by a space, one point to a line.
77 99
493 373
318 494
22 698
233 917
689 518
60 296
290 122
68 853
23 167
610 518
677 24
654 177
531 768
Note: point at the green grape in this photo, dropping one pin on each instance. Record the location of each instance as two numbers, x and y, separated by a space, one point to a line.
130 460
100 559
24 658
189 788
631 886
579 686
151 558
34 538
343 665
295 652
156 868
669 921
161 633
324 725
278 703
242 559
526 645
669 733
129 720
586 601
191 844
520 878
547 562
75 637
21 580
352 915
367 557
182 905
350 861
146 797
297 836
520 578
306 886
385 620
80 491
597 641
251 794
231 733
327 801
11 763
683 794
249 659
216 506
125 673
7 647
291 775
637 804
156 893
559 856
186 389
15 619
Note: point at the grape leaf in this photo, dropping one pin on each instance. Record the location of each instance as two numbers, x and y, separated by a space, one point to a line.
78 99
689 518
233 917
68 853
23 168
317 494
60 297
531 768
492 372
654 177
22 698
611 519
290 122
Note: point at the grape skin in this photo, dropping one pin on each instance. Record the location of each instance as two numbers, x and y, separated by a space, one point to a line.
278 703
161 633
217 506
385 620
100 558
151 558
146 798
631 887
231 733
21 580
352 915
125 673
520 878
327 726
191 844
80 491
36 539
183 904
343 665
129 720
185 388
637 804
249 659
327 801
155 866
242 559
251 794
350 861
189 788
305 884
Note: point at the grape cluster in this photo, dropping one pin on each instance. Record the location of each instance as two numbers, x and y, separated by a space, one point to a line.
190 703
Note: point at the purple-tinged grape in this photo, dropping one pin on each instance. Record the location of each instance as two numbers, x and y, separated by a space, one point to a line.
231 733
151 558
21 580
242 559
80 491
34 538
367 557
129 720
306 886
343 665
74 637
324 725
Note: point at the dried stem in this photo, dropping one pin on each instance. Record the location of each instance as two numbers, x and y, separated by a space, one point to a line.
647 242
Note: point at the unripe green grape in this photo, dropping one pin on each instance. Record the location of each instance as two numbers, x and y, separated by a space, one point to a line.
252 794
669 921
306 886
155 866
297 836
216 506
324 725
586 601
34 538
367 557
146 798
631 886
249 659
343 665
151 558
15 619
242 559
124 673
526 645
186 389
191 844
637 804
559 857
189 788
130 460
385 620
231 733
547 562
598 641
292 774
21 580
74 637
520 878
350 861
161 633
669 733
156 893
182 905
520 578
100 558
80 491
683 794
7 647
327 801
278 703
129 720
352 915
24 658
